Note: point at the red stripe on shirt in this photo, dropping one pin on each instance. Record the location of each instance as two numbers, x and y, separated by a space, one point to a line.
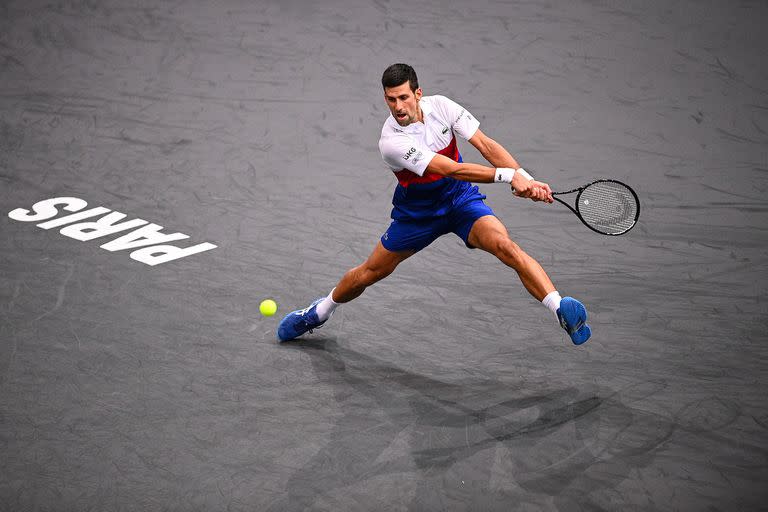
406 177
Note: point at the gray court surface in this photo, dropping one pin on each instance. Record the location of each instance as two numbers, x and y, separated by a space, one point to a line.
254 126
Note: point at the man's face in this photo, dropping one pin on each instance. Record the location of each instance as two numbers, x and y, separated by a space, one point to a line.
403 103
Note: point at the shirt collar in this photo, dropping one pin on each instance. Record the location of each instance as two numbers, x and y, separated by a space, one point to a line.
426 109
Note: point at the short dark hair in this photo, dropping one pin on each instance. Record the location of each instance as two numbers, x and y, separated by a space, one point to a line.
398 74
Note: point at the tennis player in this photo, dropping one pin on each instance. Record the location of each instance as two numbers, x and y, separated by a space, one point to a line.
435 196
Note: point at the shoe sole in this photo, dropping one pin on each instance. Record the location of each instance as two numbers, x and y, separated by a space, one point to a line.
571 308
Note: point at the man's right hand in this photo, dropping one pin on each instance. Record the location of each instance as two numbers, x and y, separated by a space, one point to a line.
531 189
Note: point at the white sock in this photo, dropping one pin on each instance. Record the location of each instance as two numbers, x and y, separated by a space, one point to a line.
326 308
552 301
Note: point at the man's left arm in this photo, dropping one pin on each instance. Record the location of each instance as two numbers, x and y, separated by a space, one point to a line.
498 156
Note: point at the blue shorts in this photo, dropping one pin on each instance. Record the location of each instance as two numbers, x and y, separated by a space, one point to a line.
414 235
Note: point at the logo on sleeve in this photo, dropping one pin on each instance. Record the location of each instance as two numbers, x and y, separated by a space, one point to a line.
409 153
462 114
445 130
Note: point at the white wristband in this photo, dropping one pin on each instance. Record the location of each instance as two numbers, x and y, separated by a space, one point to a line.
504 175
524 174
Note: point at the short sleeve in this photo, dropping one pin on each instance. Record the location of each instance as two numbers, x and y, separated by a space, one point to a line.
462 122
400 151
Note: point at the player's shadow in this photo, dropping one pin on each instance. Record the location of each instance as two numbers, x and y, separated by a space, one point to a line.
394 421
443 405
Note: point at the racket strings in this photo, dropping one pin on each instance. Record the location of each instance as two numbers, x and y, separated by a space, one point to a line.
610 207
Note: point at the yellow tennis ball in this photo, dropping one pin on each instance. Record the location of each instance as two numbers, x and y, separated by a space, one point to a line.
268 307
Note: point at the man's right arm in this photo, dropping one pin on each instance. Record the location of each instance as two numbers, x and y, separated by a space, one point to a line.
498 156
463 171
476 173
400 151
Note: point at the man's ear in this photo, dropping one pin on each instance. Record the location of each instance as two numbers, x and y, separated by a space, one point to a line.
418 93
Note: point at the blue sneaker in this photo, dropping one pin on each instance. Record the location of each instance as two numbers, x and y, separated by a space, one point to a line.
573 318
296 323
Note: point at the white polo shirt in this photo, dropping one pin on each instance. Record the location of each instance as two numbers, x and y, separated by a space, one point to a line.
407 150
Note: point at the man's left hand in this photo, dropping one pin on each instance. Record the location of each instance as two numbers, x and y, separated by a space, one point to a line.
532 189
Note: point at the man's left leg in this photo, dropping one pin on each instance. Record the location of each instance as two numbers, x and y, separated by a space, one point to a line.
489 234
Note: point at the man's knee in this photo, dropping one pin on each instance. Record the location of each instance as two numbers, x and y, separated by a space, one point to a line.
370 275
507 251
365 275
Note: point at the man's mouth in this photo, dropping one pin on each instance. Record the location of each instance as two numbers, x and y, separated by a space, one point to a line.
402 116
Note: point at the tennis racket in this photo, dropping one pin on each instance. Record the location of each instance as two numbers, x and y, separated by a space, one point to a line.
608 207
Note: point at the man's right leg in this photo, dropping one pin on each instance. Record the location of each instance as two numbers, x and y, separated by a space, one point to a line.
402 239
379 265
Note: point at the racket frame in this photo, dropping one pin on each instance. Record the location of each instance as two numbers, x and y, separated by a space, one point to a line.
581 189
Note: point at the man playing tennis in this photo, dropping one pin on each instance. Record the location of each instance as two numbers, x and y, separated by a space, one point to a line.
435 196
